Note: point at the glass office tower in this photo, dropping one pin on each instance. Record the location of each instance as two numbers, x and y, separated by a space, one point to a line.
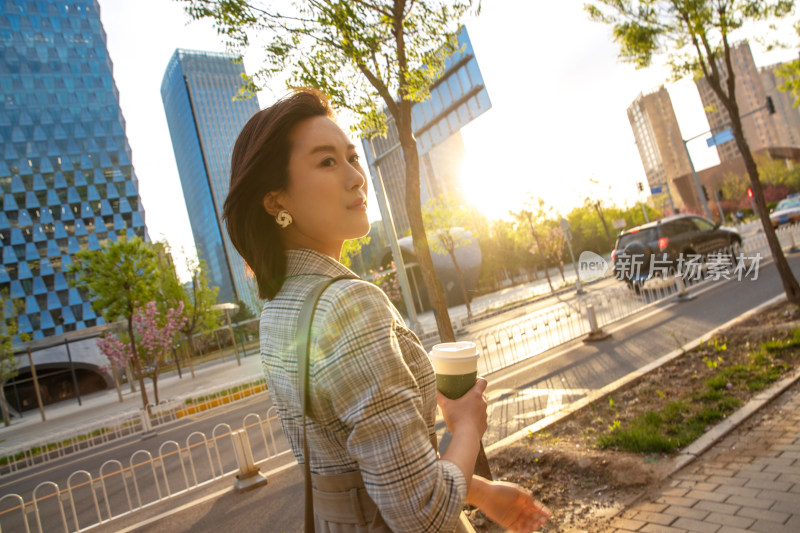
204 120
65 165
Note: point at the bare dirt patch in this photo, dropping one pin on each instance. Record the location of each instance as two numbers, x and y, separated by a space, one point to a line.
584 483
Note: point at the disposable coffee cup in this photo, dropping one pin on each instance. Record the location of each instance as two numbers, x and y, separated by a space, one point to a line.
456 367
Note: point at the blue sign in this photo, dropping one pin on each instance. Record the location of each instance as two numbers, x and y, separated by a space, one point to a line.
720 138
456 99
655 190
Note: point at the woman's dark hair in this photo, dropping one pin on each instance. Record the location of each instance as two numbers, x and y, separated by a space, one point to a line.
259 166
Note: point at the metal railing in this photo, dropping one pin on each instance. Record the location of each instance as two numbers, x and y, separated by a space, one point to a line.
99 432
119 489
525 337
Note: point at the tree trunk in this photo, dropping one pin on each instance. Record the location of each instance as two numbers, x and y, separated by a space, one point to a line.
190 341
154 378
561 271
4 406
420 239
790 285
544 262
115 373
137 368
603 221
461 281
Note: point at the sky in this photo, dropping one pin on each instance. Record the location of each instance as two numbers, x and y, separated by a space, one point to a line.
559 97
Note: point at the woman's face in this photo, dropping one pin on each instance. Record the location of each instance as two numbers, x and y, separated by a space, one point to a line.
326 194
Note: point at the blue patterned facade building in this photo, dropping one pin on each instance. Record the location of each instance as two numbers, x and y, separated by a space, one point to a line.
66 179
204 118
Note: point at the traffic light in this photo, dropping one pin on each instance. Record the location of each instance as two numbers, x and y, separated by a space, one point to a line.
770 105
640 186
705 192
720 195
749 192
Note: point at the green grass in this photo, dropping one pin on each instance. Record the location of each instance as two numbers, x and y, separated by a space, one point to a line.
678 423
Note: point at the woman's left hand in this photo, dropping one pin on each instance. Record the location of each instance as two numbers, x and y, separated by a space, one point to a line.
513 507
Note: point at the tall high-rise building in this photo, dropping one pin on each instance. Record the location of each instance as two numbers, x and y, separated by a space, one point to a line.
204 120
457 97
65 164
758 125
658 138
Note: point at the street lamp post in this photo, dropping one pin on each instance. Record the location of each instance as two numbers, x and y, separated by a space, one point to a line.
228 307
696 179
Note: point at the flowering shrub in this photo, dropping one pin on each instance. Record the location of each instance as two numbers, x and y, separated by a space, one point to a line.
386 279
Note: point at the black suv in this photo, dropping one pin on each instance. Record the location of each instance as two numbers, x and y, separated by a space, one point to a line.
671 245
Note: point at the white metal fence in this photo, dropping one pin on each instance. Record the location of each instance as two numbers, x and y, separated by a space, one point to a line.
525 337
99 432
119 488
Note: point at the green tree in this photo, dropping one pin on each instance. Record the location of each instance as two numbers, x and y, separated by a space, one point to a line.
531 218
352 250
442 217
8 361
198 298
695 35
790 72
117 278
368 56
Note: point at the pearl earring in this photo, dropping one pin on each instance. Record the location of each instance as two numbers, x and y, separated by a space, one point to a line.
284 218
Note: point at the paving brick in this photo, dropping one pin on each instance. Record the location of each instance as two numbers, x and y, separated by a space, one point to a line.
686 512
706 486
729 529
794 479
705 495
794 522
778 495
748 501
749 474
765 526
768 484
675 500
764 514
786 507
695 525
728 520
652 507
716 507
727 480
627 524
655 528
738 491
655 518
675 491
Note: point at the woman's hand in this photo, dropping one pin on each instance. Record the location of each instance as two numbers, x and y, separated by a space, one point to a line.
467 413
509 505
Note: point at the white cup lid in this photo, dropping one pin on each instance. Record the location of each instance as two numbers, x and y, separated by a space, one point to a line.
455 349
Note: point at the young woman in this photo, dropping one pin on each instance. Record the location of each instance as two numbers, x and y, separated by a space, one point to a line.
297 193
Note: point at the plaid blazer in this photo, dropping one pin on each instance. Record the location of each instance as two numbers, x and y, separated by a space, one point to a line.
373 395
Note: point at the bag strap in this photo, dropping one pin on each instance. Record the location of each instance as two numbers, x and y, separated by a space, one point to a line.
303 345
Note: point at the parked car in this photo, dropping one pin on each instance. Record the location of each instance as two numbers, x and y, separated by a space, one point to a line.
787 211
667 246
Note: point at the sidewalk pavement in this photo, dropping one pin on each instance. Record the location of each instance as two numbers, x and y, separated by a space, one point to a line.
748 481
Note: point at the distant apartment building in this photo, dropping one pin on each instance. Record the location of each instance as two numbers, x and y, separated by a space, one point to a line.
761 129
659 141
204 119
787 117
66 179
